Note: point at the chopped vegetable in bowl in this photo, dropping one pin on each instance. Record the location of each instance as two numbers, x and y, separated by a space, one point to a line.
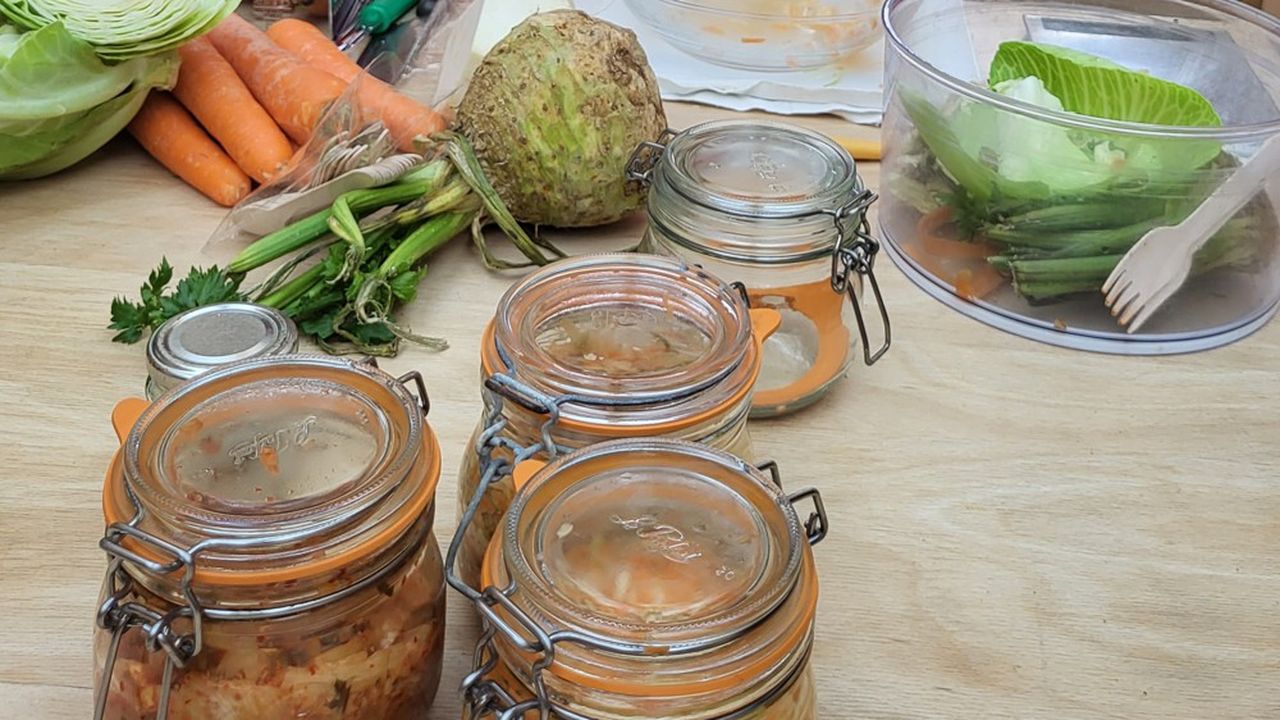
764 35
1014 199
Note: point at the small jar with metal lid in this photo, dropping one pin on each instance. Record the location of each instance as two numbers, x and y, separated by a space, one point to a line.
782 210
600 347
270 548
203 338
648 578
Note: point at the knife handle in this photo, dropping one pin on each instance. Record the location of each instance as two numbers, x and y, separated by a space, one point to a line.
379 15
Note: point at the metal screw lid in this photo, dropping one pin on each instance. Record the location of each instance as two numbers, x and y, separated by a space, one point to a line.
201 339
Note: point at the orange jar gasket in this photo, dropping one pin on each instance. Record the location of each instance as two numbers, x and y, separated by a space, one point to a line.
118 507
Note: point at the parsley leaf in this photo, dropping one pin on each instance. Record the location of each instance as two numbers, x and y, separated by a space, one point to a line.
200 287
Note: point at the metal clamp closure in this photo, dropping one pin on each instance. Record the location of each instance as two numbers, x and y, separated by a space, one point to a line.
771 467
815 526
857 255
119 617
645 157
424 400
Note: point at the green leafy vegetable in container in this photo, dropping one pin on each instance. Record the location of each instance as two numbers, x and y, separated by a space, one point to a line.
1053 208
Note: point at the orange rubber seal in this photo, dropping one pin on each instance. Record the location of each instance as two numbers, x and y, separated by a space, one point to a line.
806 585
118 508
764 322
824 308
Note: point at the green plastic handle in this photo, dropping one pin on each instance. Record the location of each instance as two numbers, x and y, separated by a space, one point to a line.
379 15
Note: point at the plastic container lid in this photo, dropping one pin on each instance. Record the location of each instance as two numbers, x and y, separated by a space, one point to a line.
206 337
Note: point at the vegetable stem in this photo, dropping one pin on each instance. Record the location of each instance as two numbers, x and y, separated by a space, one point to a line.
285 240
293 289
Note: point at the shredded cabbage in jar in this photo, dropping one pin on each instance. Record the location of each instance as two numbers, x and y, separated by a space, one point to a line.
381 661
623 342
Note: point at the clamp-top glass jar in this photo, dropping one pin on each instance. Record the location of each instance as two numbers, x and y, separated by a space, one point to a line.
648 578
600 347
783 211
270 547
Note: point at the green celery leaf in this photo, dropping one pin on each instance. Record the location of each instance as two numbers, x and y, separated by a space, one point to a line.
405 285
129 318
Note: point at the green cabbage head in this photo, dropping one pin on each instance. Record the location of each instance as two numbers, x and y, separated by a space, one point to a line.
59 101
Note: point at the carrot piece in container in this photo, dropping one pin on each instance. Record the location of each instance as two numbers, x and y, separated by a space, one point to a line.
171 135
209 87
405 117
293 92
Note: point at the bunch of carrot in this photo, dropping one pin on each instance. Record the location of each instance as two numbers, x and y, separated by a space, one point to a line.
243 95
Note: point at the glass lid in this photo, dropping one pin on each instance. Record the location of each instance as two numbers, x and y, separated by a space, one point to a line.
643 327
658 542
264 457
759 169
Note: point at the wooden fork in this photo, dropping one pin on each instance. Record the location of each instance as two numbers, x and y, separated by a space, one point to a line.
1157 265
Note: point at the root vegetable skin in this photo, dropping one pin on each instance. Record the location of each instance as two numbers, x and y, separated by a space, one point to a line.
172 136
554 112
210 88
293 92
404 117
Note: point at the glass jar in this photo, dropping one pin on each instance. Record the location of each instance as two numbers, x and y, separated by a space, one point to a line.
270 548
1016 213
600 347
649 578
203 338
782 210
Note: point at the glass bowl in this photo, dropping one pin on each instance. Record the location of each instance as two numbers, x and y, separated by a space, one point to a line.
768 35
1015 213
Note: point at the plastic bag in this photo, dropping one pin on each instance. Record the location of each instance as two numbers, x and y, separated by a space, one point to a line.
344 140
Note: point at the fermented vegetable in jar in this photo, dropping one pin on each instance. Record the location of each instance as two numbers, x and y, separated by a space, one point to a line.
648 578
601 347
782 210
270 548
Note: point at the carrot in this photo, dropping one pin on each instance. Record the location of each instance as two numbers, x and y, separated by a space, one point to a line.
929 228
978 282
295 93
171 135
405 117
209 87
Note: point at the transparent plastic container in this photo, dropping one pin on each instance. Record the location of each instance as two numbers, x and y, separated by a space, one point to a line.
677 581
601 347
270 547
985 208
764 35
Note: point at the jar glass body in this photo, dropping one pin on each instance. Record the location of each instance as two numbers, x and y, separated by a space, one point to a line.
683 572
726 432
795 699
816 342
677 346
376 655
757 203
270 546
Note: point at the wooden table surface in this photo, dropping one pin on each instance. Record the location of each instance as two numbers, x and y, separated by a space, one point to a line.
1018 531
